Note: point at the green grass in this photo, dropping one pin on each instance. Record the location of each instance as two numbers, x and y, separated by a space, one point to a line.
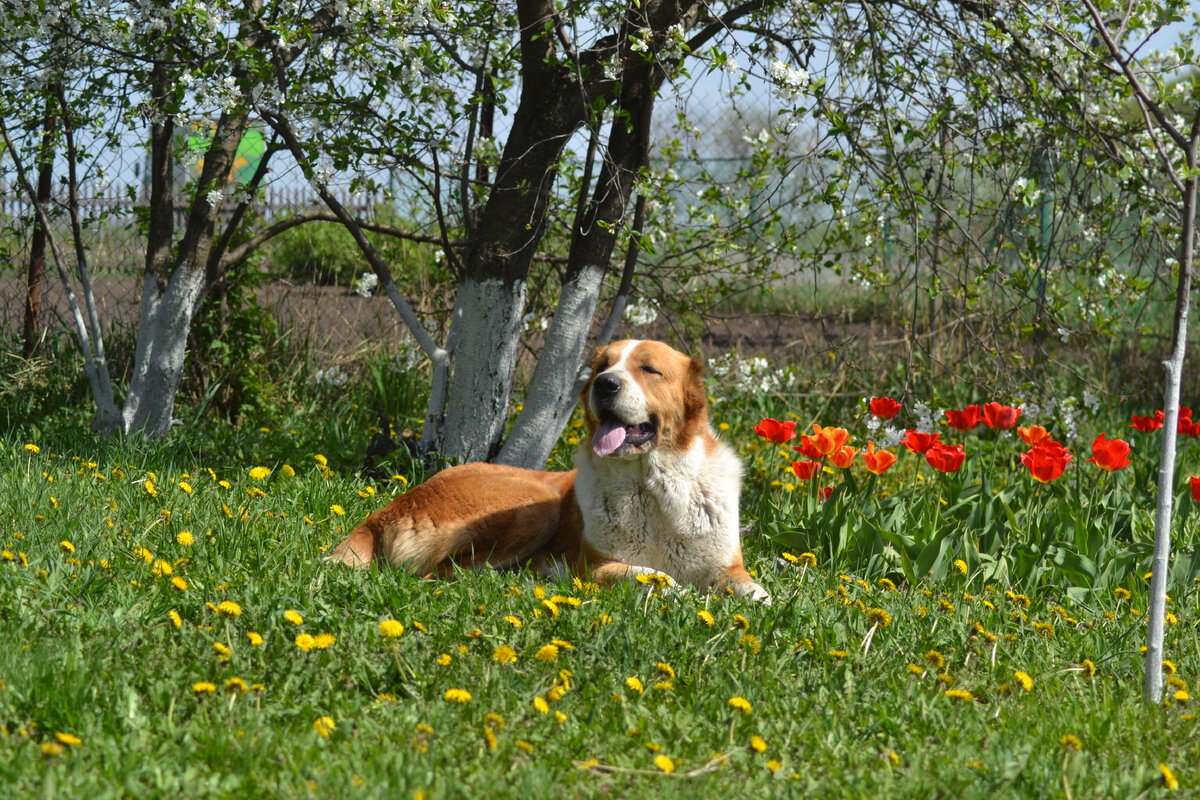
89 649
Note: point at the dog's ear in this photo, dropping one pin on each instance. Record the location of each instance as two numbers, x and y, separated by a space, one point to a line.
695 398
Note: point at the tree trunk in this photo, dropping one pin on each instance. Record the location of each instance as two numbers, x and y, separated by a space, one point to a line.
551 395
37 247
175 283
166 319
1166 466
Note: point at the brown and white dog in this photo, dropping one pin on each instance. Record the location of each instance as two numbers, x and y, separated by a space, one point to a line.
654 491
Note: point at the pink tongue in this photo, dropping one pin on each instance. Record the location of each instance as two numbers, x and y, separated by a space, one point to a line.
608 438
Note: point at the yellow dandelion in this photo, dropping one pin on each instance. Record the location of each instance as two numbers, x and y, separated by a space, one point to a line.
236 686
547 652
808 560
886 584
459 696
960 565
69 739
706 617
32 448
338 510
751 643
959 694
552 607
179 583
741 704
1168 777
758 744
790 558
293 616
418 626
66 547
1070 742
740 622
255 638
1121 593
51 749
916 669
176 620
504 655
666 669
838 654
324 640
1024 678
204 687
324 726
664 763
523 746
893 758
185 538
879 617
391 628
773 765
541 705
306 642
489 736
635 683
228 608
935 659
514 621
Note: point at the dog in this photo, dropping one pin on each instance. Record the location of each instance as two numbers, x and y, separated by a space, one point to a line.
654 493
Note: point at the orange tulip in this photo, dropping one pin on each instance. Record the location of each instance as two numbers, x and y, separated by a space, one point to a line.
877 462
829 440
1033 434
843 457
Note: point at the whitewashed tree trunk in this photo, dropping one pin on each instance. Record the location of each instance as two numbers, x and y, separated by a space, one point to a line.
551 396
486 331
166 318
1161 562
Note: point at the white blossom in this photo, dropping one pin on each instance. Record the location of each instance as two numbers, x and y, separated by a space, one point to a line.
366 283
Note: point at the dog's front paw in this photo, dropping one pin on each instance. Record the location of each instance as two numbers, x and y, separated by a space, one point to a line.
754 592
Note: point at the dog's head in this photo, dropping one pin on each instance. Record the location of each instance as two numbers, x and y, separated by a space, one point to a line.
643 395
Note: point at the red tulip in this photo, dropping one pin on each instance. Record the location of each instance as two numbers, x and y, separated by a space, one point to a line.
1033 434
946 457
1195 482
1110 456
1046 460
808 448
918 442
843 457
965 419
999 417
825 493
877 462
885 407
1147 424
1188 428
775 431
805 469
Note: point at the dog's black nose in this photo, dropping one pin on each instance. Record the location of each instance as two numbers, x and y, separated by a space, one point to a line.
606 385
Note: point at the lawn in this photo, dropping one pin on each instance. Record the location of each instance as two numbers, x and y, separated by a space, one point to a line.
168 627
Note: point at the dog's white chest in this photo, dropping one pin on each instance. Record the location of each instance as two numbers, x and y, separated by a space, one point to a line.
678 515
